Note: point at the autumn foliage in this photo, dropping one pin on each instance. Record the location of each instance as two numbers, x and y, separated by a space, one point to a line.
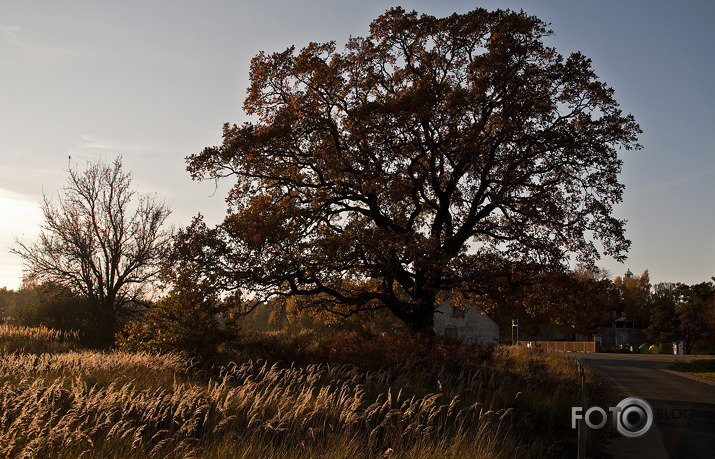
382 174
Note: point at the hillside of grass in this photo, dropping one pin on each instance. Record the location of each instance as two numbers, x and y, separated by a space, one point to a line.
289 396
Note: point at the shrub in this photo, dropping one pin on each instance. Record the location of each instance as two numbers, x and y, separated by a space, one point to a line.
184 321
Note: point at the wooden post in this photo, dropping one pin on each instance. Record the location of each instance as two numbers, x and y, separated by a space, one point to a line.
582 421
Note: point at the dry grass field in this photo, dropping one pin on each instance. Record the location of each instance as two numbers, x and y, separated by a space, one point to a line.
504 403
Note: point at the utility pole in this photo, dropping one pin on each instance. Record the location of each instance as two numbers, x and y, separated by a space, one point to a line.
514 331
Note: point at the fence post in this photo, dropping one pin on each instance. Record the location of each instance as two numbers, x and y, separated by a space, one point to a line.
582 421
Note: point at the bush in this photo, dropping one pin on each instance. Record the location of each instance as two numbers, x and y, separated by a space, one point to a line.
56 307
184 321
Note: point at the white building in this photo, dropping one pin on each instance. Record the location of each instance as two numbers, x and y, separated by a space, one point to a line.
468 326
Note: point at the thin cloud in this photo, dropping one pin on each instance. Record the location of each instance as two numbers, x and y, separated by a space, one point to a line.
9 36
13 41
90 144
145 160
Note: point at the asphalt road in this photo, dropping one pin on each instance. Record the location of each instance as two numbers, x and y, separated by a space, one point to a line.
683 408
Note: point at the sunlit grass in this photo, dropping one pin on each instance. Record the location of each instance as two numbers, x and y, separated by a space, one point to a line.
36 339
503 403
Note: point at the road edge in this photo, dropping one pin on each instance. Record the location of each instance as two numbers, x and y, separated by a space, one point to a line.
691 376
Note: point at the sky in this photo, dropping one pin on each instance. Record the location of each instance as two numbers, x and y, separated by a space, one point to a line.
154 81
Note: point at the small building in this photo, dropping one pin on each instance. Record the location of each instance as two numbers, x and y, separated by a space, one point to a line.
621 331
468 325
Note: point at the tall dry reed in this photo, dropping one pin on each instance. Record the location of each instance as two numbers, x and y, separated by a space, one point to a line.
36 339
117 404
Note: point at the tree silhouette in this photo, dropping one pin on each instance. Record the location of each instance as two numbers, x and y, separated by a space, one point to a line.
99 239
382 175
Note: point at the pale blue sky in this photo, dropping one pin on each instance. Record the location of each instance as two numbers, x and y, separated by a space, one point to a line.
155 80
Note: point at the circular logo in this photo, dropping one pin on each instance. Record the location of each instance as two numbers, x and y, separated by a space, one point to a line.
634 417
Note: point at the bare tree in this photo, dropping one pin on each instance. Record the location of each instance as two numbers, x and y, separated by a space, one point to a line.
100 238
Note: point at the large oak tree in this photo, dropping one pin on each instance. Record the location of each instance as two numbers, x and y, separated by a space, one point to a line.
413 160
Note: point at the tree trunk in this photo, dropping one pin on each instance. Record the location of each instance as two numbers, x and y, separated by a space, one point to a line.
423 321
418 316
106 321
